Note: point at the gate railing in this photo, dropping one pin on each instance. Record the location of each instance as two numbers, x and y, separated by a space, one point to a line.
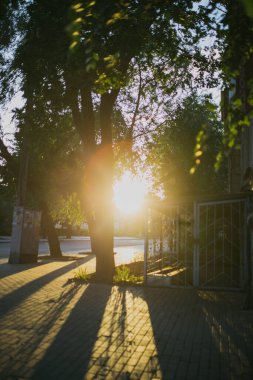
200 243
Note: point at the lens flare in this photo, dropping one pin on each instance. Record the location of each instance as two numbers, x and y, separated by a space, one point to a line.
129 193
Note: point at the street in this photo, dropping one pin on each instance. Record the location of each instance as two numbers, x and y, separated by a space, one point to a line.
126 249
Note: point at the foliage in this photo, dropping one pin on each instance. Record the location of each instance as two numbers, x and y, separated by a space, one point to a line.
171 154
249 7
108 50
67 210
123 275
235 36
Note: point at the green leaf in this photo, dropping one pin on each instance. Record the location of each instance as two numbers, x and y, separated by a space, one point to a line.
237 103
248 4
76 6
198 153
73 45
250 102
231 143
211 106
244 122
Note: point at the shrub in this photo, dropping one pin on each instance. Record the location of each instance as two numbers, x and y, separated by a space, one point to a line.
123 275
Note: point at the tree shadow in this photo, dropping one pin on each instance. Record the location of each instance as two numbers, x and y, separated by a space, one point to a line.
120 348
12 300
130 332
69 355
194 336
111 341
174 317
7 269
31 337
232 330
95 340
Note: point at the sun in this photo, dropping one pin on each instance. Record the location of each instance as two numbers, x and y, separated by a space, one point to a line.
129 193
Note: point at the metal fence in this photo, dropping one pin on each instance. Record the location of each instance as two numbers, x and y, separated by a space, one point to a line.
199 243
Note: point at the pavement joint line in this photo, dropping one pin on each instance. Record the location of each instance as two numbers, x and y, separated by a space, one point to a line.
50 329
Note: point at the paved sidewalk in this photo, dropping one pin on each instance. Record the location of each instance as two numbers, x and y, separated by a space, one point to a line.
53 329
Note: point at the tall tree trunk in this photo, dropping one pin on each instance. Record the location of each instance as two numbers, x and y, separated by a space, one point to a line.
99 195
104 232
68 231
23 173
53 241
99 174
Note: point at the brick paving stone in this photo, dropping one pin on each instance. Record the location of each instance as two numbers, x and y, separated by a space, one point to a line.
51 328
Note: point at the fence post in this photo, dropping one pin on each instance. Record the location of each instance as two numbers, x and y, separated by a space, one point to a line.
196 245
248 283
146 245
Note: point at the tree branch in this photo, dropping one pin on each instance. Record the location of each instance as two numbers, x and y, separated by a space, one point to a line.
77 116
88 118
147 132
4 153
137 103
106 106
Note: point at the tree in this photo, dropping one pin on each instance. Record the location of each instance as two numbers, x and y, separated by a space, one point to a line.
171 153
85 71
8 175
67 211
51 163
232 24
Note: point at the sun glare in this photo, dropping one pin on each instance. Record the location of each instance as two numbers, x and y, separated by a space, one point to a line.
129 193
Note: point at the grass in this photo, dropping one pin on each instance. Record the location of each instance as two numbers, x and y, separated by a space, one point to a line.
81 275
128 274
123 275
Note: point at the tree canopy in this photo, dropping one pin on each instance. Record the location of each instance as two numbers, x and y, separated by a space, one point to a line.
95 73
171 152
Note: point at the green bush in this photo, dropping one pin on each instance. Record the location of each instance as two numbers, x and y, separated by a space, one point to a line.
123 275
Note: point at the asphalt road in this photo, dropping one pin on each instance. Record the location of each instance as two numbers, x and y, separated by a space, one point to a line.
127 249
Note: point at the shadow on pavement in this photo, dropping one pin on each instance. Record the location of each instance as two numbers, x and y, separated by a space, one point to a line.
231 329
12 300
69 355
120 332
196 336
42 323
178 328
7 269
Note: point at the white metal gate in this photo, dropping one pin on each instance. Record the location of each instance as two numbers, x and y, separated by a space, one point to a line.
221 243
201 244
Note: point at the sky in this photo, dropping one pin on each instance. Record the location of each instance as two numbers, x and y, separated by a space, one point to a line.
8 125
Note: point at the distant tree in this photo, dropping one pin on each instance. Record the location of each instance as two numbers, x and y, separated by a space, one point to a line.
53 161
173 151
67 211
6 209
8 188
232 23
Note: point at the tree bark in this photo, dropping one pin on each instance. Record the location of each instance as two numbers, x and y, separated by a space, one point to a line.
99 177
68 231
100 220
53 241
105 265
23 173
